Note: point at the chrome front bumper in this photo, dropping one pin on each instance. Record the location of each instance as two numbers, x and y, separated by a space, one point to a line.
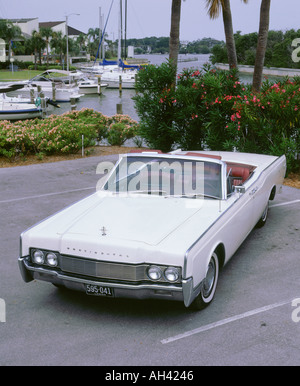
185 293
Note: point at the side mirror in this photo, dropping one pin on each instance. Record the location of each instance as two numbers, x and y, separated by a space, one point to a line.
239 189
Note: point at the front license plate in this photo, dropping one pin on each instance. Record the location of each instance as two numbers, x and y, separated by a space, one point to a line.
98 290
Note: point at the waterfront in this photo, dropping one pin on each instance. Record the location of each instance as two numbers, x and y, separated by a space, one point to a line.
107 102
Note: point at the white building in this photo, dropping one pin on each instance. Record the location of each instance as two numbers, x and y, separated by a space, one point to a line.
27 27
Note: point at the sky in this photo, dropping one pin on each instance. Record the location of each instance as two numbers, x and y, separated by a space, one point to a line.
152 17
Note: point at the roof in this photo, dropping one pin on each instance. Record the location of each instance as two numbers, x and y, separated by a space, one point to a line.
50 24
73 31
21 20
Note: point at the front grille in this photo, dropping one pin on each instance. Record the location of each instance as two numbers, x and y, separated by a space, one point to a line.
103 270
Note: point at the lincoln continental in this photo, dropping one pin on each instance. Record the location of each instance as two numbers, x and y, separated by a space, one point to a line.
158 226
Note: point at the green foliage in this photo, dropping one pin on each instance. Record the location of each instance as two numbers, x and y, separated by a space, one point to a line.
212 109
155 105
121 128
278 52
61 133
269 122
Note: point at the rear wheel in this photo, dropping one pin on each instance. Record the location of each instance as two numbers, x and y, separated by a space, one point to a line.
209 284
263 218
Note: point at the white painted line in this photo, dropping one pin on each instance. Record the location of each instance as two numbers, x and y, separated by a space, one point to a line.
46 195
225 321
285 203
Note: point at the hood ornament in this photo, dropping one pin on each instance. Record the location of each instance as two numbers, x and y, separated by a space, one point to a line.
103 230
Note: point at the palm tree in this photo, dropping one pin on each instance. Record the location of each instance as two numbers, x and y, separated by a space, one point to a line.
81 40
175 31
46 33
59 44
38 44
214 8
9 32
261 44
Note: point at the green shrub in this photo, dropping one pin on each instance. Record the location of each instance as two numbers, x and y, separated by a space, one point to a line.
63 133
212 109
121 128
155 105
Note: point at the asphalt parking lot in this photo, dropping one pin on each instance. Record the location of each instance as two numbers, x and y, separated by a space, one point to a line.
254 319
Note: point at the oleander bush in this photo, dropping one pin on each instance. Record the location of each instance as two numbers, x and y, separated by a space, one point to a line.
212 109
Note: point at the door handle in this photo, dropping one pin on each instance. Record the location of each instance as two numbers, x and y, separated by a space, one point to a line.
253 191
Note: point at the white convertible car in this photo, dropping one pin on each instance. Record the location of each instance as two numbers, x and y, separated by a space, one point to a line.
158 226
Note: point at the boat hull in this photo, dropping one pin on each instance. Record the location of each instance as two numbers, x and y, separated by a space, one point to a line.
16 115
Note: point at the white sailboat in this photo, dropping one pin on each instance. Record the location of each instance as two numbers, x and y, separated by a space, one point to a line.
116 74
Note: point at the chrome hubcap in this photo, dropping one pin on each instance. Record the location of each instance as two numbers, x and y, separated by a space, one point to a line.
209 279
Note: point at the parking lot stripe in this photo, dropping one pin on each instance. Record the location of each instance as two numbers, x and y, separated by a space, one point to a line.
225 321
45 195
285 203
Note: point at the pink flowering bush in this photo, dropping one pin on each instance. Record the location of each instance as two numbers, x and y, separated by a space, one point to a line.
58 133
204 101
212 109
268 122
120 129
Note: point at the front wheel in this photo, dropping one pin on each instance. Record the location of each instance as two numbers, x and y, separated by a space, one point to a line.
209 284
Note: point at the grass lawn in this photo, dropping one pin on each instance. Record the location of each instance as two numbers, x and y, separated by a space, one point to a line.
7 75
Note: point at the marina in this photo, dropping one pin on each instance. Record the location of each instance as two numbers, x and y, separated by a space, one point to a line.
109 100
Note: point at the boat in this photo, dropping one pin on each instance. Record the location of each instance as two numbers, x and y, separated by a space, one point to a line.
90 87
87 85
56 85
119 79
17 110
117 74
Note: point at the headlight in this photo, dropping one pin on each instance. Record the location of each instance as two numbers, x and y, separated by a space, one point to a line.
154 273
38 257
171 274
51 259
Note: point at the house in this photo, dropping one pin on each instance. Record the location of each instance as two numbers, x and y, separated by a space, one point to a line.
57 26
29 25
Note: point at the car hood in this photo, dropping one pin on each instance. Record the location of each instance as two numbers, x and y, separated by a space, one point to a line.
141 219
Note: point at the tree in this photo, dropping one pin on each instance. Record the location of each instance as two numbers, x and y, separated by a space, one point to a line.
46 33
59 44
214 8
9 32
37 44
261 44
175 31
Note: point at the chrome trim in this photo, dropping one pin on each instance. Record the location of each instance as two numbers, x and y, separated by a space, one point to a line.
189 292
103 269
138 291
107 270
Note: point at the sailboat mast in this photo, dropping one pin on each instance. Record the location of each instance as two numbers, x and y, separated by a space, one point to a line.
120 28
125 41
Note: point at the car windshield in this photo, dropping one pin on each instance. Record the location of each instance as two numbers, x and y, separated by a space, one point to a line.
168 177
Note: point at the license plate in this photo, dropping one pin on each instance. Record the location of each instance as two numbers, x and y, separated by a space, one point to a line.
98 290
